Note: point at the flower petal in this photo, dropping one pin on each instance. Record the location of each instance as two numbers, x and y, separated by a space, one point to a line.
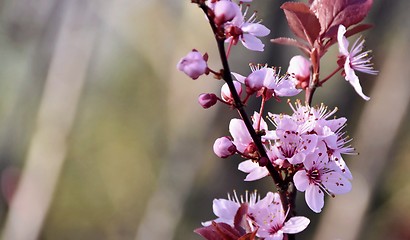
301 180
252 43
255 29
342 40
241 136
314 197
295 225
336 183
353 79
239 77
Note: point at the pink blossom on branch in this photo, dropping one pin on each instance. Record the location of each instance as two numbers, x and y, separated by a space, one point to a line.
194 64
320 176
268 81
224 147
246 31
207 100
353 60
265 216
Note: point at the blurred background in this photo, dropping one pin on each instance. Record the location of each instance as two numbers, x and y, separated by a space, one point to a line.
102 138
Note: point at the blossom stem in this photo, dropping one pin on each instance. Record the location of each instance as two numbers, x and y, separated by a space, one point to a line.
261 110
227 76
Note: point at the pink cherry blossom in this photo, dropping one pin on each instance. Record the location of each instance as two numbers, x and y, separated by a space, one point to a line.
299 70
317 120
292 141
320 176
226 209
271 221
268 81
193 64
266 215
246 31
223 147
355 60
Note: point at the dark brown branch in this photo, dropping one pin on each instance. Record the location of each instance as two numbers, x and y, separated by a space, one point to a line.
281 185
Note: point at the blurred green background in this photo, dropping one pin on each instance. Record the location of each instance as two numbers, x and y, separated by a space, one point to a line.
102 138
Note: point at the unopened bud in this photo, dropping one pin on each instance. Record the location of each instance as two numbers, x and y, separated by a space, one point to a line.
299 70
193 64
225 11
207 100
226 93
224 147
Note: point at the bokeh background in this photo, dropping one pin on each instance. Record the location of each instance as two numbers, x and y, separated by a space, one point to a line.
101 137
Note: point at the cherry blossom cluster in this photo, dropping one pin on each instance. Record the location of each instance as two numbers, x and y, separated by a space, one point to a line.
302 151
252 216
306 143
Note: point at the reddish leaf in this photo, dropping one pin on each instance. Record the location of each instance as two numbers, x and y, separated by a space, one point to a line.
302 21
350 32
332 13
249 236
218 231
291 42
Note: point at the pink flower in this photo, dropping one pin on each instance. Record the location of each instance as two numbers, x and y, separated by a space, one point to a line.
193 64
226 92
292 141
272 223
226 209
318 176
246 31
354 60
266 80
266 215
207 100
299 70
223 147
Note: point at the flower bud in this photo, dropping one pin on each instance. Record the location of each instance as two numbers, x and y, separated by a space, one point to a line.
224 147
226 93
299 70
207 100
225 11
193 64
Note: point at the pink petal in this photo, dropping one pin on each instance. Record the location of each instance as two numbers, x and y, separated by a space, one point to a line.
342 40
336 183
255 29
252 43
255 171
314 197
301 180
295 225
239 77
240 134
353 79
344 170
287 88
297 158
